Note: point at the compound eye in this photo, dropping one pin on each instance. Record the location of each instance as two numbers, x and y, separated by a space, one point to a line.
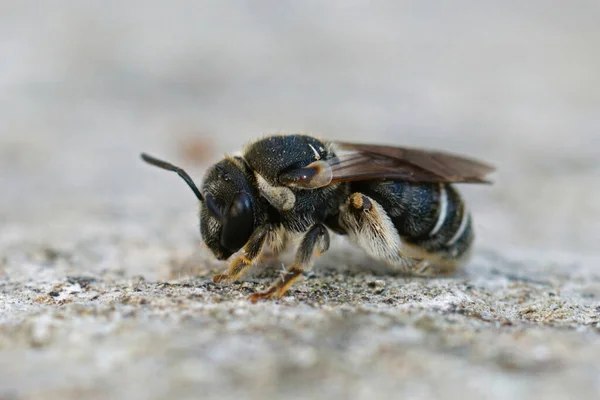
238 223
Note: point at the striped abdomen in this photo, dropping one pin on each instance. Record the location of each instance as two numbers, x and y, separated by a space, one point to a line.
431 217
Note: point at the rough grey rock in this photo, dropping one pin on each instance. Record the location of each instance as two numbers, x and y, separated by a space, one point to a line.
105 291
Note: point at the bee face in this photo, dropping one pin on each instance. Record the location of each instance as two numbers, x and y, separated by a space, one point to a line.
228 214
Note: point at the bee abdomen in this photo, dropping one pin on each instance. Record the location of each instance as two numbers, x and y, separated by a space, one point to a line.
452 234
430 217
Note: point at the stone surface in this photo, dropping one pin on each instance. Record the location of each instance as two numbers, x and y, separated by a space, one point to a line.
105 291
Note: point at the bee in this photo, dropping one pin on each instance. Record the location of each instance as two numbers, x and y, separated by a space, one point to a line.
397 204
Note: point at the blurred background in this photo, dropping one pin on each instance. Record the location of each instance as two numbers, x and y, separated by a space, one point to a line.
85 86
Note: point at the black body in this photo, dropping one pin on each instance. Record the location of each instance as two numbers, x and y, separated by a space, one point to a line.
414 210
276 155
298 184
412 207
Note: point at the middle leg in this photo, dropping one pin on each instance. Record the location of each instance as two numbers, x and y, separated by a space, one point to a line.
314 243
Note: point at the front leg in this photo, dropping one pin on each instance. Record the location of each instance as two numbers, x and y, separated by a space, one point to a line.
250 255
314 243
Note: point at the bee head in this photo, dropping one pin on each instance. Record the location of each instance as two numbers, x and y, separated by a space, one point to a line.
228 206
228 214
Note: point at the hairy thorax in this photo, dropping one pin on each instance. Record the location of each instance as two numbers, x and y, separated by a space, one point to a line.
297 209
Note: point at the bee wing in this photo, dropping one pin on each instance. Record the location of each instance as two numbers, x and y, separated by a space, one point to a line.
366 161
417 164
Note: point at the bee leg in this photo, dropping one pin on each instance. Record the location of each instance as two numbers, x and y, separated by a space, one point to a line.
368 225
314 243
249 256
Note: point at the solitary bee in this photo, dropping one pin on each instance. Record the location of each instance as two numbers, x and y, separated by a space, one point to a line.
398 204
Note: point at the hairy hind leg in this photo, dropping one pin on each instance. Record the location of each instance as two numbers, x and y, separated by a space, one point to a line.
368 225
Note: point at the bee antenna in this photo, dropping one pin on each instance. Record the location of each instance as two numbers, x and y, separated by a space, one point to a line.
170 167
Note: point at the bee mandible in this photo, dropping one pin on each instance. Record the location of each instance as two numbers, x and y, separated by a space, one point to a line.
398 204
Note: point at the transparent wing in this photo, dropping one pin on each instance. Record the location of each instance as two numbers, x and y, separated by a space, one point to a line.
366 161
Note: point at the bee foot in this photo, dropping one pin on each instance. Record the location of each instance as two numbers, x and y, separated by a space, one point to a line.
422 267
266 295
